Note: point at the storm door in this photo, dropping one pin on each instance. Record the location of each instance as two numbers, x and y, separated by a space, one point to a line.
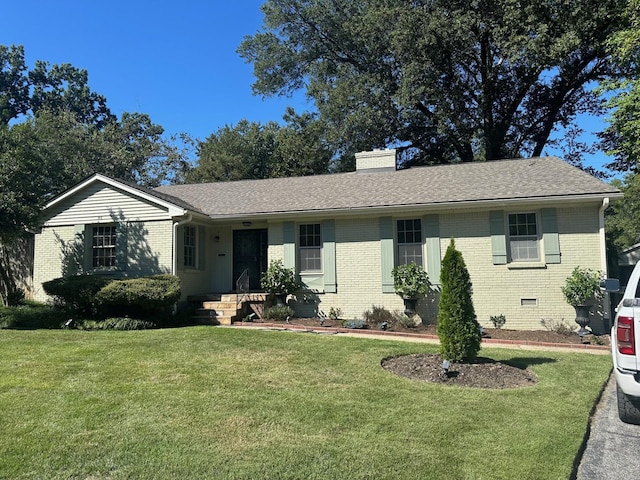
249 252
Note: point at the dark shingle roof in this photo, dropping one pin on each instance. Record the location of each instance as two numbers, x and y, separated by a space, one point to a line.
535 178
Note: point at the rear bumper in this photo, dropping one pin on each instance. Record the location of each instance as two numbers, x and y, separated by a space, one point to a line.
627 382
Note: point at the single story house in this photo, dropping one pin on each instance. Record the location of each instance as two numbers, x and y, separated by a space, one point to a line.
522 226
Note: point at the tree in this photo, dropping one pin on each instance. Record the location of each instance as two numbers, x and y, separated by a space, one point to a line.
447 80
621 139
458 329
250 150
56 88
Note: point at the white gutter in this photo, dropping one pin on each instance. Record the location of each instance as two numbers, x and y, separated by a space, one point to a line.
603 260
174 263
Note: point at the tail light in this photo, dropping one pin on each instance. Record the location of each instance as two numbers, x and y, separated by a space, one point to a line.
625 336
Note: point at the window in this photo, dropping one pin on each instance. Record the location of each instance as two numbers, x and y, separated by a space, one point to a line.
523 237
409 241
310 251
103 241
189 257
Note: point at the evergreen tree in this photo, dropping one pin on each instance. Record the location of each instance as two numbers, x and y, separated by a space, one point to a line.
458 329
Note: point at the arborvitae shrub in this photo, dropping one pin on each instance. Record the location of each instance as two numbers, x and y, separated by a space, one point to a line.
458 329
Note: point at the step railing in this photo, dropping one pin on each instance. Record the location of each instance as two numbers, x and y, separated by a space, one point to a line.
242 287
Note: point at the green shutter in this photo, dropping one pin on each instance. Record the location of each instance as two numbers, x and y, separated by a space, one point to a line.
289 245
498 239
432 242
202 247
329 255
121 246
88 246
79 251
386 253
550 236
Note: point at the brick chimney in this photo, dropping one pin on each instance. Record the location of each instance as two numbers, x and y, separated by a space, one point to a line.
376 161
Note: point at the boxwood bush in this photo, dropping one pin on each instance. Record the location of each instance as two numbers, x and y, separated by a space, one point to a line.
140 296
77 292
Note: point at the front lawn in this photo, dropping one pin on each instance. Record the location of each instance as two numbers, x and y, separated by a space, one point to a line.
213 403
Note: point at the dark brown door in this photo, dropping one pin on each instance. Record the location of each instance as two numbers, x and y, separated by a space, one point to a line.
249 253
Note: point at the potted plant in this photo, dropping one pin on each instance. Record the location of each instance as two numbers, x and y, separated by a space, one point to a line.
411 282
279 281
581 290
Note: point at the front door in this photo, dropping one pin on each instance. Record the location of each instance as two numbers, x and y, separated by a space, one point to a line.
249 253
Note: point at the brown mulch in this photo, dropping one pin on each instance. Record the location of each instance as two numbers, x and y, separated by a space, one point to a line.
482 373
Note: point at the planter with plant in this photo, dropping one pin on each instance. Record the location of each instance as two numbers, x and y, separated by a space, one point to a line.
279 281
581 290
411 282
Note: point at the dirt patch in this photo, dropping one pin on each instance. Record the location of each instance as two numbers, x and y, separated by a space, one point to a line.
483 373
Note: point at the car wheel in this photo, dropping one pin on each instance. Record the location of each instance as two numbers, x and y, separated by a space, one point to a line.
628 407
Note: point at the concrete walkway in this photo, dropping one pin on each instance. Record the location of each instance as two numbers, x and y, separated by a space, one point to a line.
613 448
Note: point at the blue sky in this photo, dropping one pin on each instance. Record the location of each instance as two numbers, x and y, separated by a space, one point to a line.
175 61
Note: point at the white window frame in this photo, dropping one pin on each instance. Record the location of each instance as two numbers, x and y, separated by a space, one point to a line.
521 239
306 252
190 250
104 255
416 243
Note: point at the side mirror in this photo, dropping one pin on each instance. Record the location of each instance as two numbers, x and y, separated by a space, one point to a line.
611 285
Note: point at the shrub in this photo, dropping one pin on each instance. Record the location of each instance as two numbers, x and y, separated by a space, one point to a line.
335 314
278 313
558 326
498 320
582 286
140 296
32 316
355 323
404 320
116 323
379 315
278 280
458 329
410 280
78 292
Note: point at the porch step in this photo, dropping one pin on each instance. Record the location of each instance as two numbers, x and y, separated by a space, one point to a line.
223 309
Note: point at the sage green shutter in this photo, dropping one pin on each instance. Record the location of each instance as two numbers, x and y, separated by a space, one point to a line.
432 244
498 238
88 246
329 255
289 245
386 253
80 249
121 246
550 236
202 247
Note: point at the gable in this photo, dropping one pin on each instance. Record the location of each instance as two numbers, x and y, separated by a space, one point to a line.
99 202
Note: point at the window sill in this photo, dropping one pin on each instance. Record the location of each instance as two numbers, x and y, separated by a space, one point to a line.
526 265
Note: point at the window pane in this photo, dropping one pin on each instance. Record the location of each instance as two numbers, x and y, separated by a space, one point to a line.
310 244
409 235
523 237
103 241
189 249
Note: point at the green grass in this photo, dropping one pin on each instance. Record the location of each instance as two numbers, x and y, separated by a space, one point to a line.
214 403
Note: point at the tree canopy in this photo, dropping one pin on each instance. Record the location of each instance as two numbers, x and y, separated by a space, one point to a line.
251 150
446 80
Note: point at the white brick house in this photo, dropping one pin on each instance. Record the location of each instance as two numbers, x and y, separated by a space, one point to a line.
522 226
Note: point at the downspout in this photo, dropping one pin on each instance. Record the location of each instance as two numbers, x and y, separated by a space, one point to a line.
174 263
603 261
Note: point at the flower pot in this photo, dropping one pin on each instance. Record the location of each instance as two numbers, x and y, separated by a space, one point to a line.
281 299
410 306
582 318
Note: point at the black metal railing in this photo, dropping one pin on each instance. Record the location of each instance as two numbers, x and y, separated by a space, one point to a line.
242 286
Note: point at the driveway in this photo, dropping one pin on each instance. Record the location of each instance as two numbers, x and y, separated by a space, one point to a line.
613 448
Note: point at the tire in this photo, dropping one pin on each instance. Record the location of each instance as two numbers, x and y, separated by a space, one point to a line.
628 407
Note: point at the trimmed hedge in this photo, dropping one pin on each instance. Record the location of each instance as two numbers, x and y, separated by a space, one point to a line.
145 295
77 292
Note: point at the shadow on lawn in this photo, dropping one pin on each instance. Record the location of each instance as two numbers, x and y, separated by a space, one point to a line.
525 362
